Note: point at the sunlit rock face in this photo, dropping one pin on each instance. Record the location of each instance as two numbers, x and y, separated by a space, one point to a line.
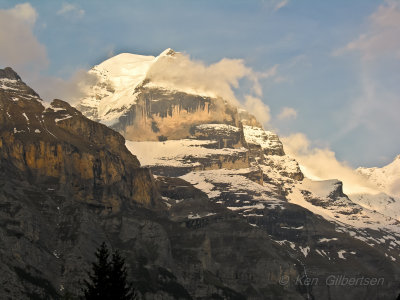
56 145
172 115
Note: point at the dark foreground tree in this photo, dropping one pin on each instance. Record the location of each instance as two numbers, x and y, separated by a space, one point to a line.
108 280
120 288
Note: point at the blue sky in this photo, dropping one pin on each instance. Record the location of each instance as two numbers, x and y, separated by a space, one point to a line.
336 64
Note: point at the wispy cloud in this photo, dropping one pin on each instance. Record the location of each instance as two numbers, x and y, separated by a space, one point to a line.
218 79
71 89
375 109
71 11
287 113
272 6
258 108
280 4
382 35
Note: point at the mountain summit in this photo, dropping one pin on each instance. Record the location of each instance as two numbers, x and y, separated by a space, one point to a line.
9 73
143 98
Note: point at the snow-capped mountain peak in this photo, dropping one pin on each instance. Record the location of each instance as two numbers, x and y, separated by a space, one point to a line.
168 52
118 80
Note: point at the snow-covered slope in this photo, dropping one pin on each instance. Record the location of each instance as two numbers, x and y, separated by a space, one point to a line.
180 153
386 199
268 140
118 78
387 178
381 202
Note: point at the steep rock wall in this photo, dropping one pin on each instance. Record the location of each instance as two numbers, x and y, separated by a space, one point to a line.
59 147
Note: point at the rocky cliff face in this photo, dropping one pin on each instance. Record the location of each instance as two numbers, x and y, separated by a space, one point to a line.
164 114
58 147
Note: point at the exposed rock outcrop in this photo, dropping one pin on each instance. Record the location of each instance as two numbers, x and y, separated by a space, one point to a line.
58 146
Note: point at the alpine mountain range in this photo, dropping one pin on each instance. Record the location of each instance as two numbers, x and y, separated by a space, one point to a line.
202 201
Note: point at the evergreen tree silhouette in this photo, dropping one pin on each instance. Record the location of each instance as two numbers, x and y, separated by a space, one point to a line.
108 280
120 288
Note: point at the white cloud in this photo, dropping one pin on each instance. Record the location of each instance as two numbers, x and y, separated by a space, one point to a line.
20 49
280 4
218 79
258 108
287 113
271 72
322 164
24 12
382 36
71 11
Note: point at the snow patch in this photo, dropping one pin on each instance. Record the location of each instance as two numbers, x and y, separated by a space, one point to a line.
305 250
340 254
